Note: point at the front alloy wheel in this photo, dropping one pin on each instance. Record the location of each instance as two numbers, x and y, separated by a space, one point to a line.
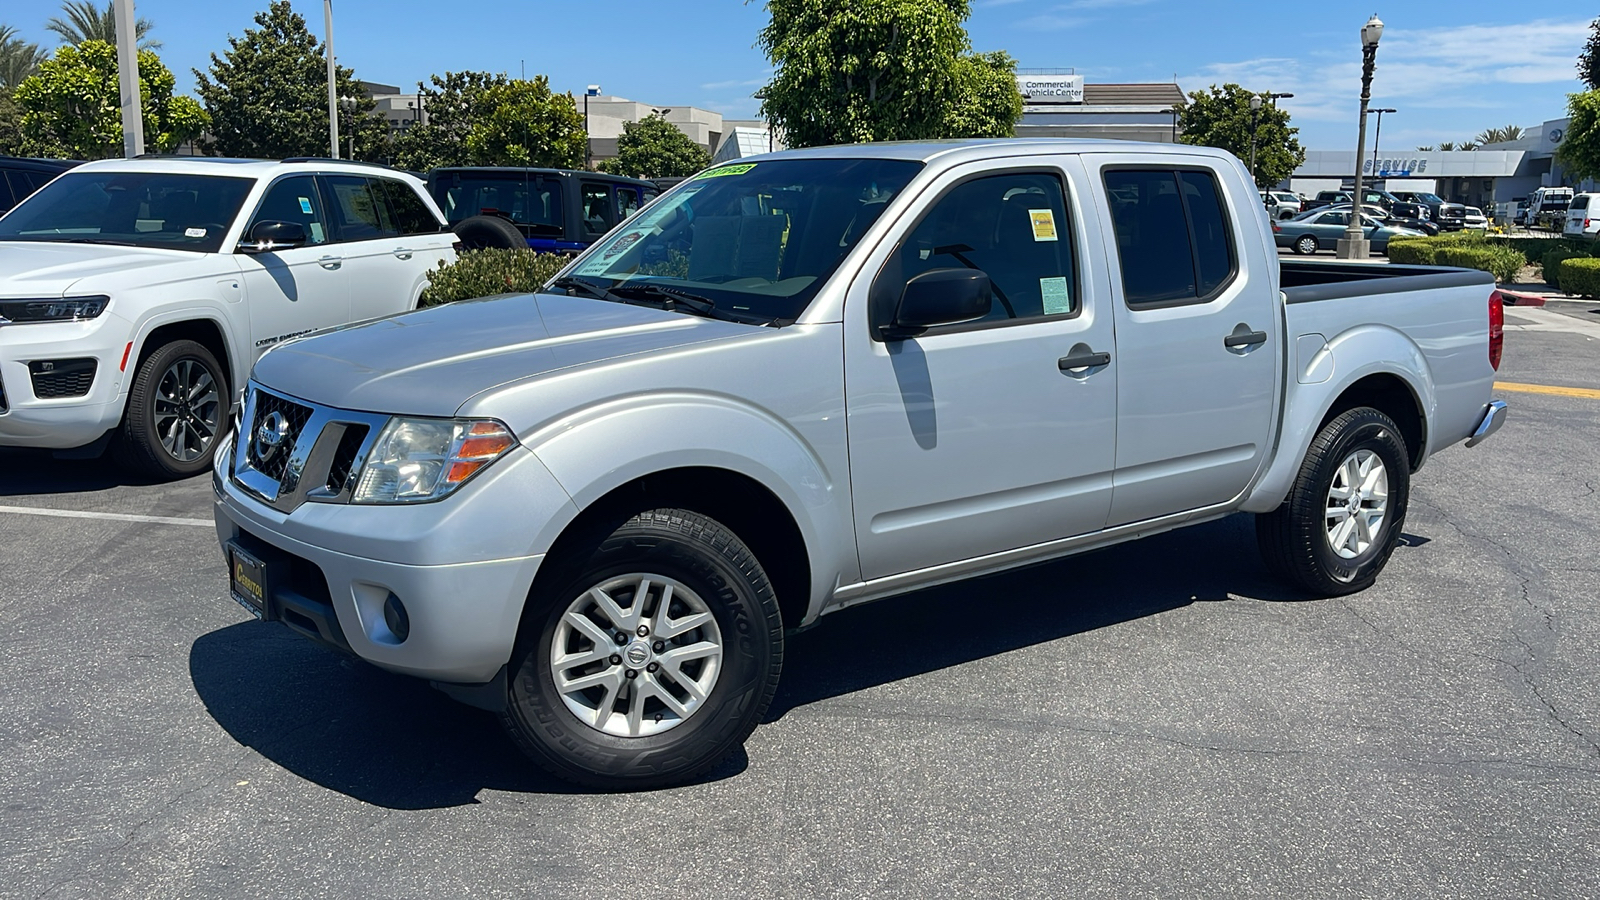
177 408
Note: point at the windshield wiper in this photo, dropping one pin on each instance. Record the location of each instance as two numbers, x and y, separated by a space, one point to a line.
674 300
588 287
105 241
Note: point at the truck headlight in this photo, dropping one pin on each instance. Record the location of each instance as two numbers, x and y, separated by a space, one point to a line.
52 309
415 460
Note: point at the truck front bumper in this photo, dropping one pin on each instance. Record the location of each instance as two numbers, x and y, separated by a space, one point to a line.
1493 417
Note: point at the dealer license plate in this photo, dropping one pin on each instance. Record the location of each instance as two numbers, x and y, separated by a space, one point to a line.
247 578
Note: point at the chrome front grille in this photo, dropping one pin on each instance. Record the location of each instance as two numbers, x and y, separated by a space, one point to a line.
290 451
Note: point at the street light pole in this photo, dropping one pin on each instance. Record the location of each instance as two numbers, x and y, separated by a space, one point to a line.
592 90
128 78
1377 135
1255 123
1354 244
333 96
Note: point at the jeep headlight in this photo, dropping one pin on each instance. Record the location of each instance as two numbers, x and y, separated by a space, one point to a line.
415 460
58 309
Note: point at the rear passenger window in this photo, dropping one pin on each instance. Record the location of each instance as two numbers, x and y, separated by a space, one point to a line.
411 215
1013 228
360 208
1173 241
596 208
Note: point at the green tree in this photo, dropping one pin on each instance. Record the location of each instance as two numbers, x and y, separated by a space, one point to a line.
1589 59
72 106
1447 145
1579 151
268 95
18 58
10 124
655 148
875 70
87 22
450 107
525 124
1220 117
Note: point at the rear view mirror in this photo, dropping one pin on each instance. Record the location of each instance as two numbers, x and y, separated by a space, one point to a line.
940 297
265 237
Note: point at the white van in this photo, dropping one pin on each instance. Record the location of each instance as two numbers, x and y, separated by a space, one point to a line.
1583 217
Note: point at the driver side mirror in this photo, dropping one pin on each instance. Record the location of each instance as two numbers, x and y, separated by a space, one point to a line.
265 237
940 297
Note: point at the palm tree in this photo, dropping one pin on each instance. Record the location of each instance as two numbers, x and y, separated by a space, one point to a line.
1424 149
87 22
1467 145
18 58
1446 145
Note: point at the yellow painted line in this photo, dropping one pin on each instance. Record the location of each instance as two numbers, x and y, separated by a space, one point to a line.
1586 393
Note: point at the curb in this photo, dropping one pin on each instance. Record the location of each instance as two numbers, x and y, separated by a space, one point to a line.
1517 298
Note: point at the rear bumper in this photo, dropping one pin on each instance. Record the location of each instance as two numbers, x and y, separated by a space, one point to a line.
1493 417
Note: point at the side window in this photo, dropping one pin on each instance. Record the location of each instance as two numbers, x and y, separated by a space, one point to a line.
360 208
6 199
411 215
294 199
596 200
1173 242
627 201
1014 228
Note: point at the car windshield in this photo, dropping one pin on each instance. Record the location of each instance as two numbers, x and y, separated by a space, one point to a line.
530 200
136 209
757 239
1429 198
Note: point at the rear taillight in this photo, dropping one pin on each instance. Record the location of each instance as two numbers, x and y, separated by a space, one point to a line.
1497 328
1586 223
1276 228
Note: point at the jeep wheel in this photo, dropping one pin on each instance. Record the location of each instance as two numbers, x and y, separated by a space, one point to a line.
176 408
1343 516
652 661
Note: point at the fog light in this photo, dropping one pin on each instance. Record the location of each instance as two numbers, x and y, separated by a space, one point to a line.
394 616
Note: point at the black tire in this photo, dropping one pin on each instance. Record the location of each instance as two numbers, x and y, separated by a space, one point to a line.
1293 538
488 233
191 430
1305 244
701 554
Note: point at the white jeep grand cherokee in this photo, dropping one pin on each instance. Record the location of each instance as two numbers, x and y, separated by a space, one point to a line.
136 294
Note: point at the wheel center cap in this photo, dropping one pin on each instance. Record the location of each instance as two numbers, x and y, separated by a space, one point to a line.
637 655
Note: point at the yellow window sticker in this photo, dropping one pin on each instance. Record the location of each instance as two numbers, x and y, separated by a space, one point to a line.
1054 293
720 171
1044 224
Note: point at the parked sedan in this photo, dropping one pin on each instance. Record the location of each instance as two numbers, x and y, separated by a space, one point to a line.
1321 229
1385 217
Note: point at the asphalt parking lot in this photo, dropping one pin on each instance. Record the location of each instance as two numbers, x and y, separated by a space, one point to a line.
1159 719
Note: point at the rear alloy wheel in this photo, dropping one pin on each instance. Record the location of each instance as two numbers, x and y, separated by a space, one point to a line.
651 659
177 407
1305 245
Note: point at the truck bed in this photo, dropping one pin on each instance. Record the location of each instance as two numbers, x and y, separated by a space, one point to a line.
1306 282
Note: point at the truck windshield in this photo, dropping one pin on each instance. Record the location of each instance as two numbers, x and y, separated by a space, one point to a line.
135 209
532 202
758 239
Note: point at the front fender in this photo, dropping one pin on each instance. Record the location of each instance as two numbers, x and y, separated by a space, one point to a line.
1357 354
598 449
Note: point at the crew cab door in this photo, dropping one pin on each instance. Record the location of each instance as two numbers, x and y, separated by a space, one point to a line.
380 241
990 435
1198 338
293 291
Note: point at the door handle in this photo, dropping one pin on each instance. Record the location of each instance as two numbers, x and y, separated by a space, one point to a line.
331 262
402 253
1082 358
1242 337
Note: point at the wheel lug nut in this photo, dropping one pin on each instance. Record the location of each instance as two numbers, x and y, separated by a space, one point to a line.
622 638
633 673
659 646
652 667
644 630
616 660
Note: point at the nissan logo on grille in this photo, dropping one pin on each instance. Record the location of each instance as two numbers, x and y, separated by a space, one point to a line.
270 435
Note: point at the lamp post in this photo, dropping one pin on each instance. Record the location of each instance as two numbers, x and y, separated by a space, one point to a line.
1377 135
333 96
592 90
1255 122
1354 244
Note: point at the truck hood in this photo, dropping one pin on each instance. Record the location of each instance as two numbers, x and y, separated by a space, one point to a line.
430 362
47 269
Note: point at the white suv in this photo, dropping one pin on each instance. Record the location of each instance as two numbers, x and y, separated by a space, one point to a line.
136 294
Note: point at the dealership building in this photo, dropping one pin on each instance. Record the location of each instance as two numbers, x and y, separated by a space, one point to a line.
1058 103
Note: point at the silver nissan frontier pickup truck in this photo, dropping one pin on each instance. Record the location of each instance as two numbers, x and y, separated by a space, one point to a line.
815 378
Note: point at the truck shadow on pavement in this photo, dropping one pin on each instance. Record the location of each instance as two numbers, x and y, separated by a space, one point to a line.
397 743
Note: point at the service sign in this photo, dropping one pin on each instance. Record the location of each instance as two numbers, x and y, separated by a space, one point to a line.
1051 88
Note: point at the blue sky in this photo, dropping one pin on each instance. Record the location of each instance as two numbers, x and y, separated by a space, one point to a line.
1452 69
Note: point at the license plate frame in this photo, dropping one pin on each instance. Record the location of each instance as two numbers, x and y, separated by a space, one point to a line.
247 581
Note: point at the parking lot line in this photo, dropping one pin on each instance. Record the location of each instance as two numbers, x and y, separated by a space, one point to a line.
114 517
1587 393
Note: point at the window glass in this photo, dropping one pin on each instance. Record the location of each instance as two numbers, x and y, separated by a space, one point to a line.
532 202
627 201
1334 218
1012 227
294 199
1153 246
596 208
141 209
360 208
1213 246
6 198
411 214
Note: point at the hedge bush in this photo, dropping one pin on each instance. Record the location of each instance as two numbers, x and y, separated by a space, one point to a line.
1552 263
1581 275
1501 262
484 273
1536 248
1413 251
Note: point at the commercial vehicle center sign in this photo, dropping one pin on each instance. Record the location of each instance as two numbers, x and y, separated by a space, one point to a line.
1051 88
